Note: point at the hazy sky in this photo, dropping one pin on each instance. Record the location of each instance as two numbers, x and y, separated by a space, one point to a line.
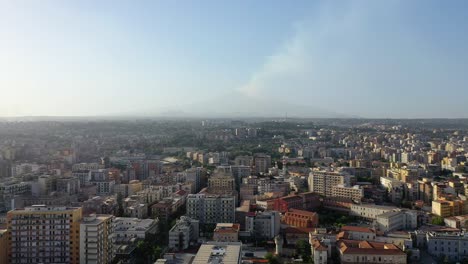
364 58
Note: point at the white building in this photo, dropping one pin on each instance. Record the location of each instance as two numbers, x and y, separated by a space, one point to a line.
397 220
370 211
104 187
451 246
185 230
127 227
263 224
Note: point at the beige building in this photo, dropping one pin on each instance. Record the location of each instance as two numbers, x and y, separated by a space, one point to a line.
322 182
97 239
445 208
355 251
222 182
41 234
219 252
355 193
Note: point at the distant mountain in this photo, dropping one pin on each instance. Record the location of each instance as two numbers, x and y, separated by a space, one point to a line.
237 104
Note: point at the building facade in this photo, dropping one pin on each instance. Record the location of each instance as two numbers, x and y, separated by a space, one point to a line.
211 209
97 239
41 234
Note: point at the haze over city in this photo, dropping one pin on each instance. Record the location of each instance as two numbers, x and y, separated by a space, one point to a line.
369 59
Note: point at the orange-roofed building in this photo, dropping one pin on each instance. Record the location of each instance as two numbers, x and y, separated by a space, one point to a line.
358 233
354 251
319 252
300 218
226 232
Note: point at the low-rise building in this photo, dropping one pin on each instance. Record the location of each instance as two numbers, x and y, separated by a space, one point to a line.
219 252
397 220
355 193
319 252
300 218
460 221
226 232
355 251
183 233
127 227
451 246
359 233
370 211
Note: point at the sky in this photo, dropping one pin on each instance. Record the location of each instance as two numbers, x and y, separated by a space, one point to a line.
370 59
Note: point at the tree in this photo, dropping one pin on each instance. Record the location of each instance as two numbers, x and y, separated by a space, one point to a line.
304 250
438 220
272 259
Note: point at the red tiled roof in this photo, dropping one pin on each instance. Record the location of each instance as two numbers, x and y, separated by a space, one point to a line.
298 230
302 212
357 229
368 248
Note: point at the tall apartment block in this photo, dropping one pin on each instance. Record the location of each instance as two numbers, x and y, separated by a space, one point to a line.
211 209
41 234
97 239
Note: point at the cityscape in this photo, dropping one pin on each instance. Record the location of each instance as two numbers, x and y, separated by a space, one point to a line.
233 132
234 191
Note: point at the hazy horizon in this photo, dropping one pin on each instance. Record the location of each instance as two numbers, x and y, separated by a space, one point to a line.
365 59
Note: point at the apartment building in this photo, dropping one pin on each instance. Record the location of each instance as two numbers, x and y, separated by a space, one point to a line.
4 242
210 208
185 231
222 182
97 239
446 208
355 193
265 224
41 234
262 163
322 182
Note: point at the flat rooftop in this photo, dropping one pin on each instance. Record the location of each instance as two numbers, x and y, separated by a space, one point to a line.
219 253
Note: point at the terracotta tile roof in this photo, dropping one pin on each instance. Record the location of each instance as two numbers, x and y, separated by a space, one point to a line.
319 246
298 230
368 248
302 212
357 229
